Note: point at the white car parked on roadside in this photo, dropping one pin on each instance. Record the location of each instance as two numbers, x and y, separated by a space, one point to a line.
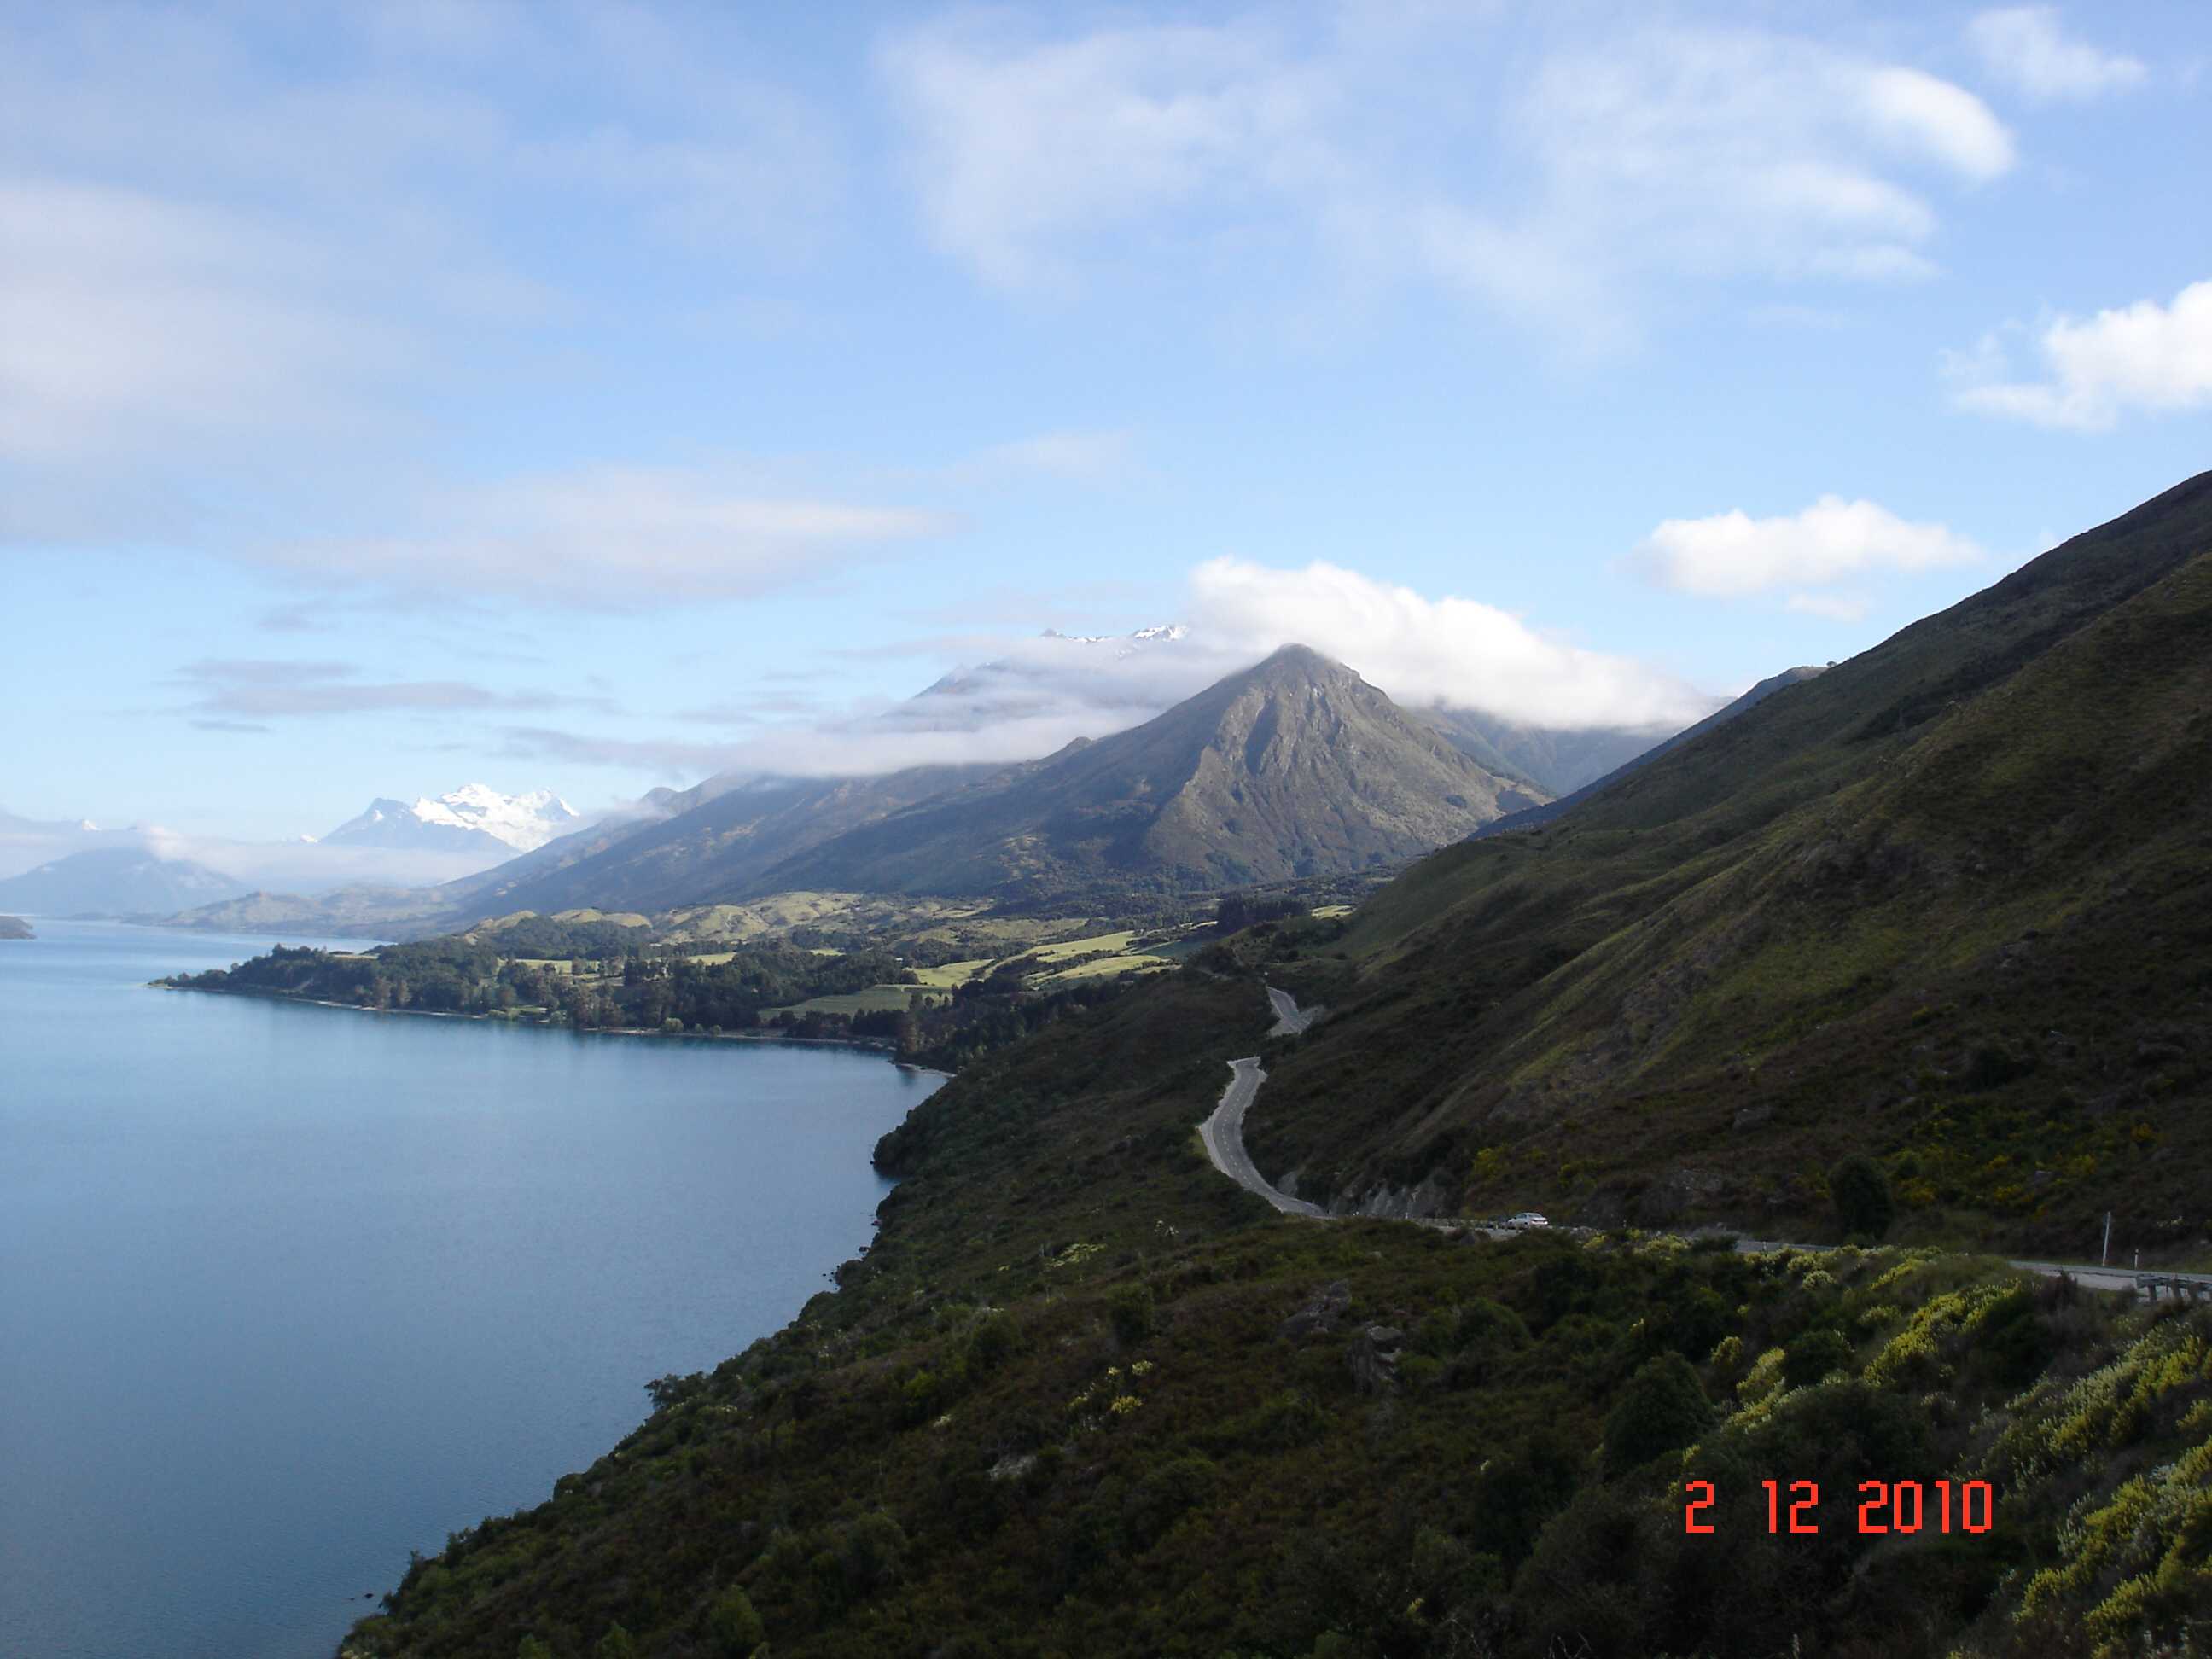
1527 1219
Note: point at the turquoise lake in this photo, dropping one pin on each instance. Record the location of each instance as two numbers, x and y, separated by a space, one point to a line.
289 1291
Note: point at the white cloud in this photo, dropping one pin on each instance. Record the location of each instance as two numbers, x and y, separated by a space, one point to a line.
1662 152
1458 651
308 867
1030 696
1731 553
1025 146
2145 356
2025 47
216 266
1027 697
1719 152
612 535
1929 118
133 321
239 690
1529 275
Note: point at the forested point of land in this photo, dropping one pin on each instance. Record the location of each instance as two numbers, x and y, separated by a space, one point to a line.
602 976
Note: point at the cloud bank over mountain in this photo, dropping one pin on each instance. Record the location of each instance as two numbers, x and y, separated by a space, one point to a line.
1033 695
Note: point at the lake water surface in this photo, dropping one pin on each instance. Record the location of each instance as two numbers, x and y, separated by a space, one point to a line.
287 1291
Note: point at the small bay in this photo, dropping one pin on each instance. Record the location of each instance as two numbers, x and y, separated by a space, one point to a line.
287 1291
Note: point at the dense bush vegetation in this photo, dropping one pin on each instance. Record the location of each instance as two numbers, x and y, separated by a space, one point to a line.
634 988
1182 1457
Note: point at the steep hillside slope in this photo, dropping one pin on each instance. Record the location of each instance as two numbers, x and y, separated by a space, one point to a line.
1950 904
1294 768
1530 817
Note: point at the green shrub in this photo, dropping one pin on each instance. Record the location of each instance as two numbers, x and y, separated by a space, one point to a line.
736 1628
872 1552
990 1344
1491 1326
1280 1423
1129 1309
1521 1488
2011 1344
1810 1356
1166 1494
1595 1583
1563 1285
1861 1191
1661 1409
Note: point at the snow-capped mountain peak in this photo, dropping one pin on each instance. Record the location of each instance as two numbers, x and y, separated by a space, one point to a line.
461 817
1167 632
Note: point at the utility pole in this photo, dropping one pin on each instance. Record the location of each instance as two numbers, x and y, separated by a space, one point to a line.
2106 1260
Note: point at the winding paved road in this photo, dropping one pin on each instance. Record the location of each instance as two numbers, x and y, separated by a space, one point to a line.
1224 1132
2090 1278
1289 1021
1223 1135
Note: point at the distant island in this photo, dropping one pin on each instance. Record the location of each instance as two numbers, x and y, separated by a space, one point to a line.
16 928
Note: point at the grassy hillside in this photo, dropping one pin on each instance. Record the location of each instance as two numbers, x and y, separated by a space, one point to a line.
1951 902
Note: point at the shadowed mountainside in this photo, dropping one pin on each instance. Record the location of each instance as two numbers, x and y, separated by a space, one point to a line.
1530 817
1950 902
115 881
1294 768
718 849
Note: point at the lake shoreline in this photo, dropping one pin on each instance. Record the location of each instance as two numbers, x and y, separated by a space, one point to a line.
868 1045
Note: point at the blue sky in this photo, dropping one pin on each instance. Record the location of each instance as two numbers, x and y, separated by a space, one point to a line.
594 396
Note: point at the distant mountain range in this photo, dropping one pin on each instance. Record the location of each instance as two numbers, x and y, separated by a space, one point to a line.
724 845
11 824
73 867
471 818
1293 768
27 842
116 881
1296 767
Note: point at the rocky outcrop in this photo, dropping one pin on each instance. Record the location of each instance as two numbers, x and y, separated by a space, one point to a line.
1373 1357
1385 1202
1319 1314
